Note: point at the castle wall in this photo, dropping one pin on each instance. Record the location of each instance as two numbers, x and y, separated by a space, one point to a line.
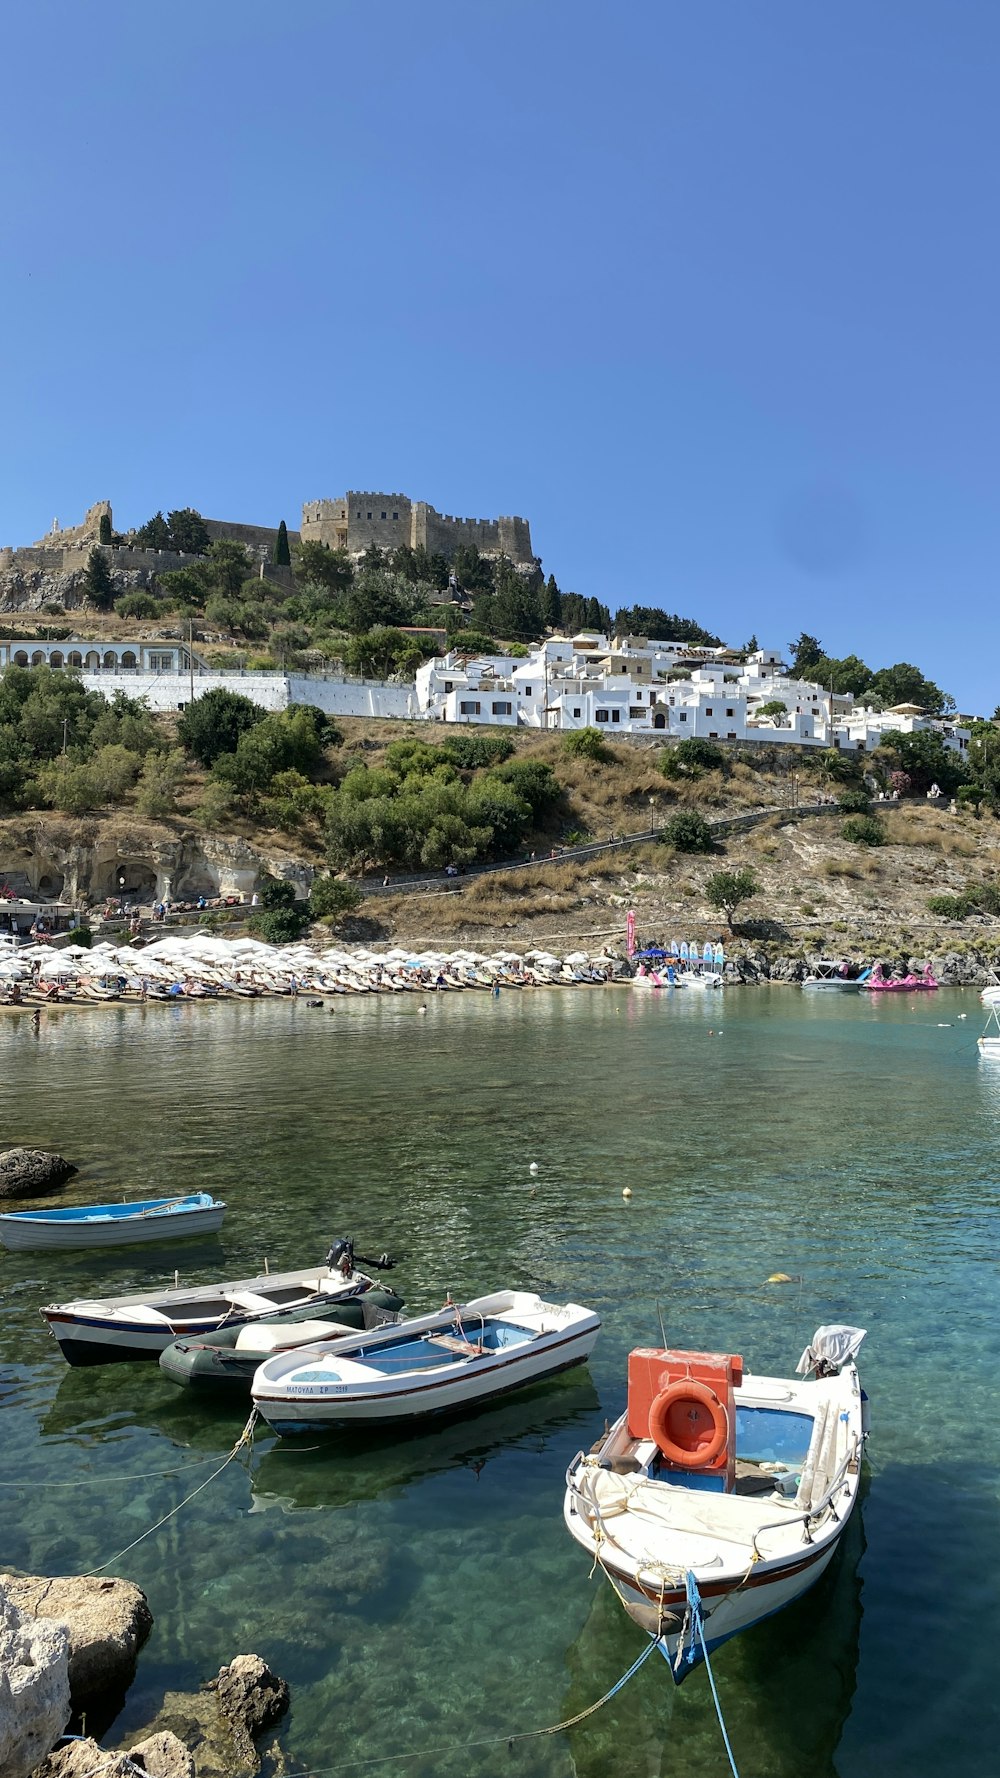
356 521
255 537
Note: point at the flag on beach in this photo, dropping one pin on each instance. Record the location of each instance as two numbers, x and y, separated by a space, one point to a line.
630 931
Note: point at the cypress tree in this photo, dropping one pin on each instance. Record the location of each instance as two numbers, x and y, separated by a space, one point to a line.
552 604
97 581
104 529
281 555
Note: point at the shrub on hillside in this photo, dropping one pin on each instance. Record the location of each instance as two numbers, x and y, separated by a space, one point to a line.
585 743
331 897
726 890
137 605
687 831
697 755
467 751
949 907
280 926
854 802
863 830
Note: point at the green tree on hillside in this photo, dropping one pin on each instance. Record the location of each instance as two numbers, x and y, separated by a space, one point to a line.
188 531
905 684
805 652
726 890
104 530
154 534
213 724
473 572
97 582
316 564
281 555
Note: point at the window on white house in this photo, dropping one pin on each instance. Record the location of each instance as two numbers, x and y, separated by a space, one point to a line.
601 715
713 734
729 713
577 712
708 710
449 685
502 709
636 713
160 663
468 707
616 716
682 716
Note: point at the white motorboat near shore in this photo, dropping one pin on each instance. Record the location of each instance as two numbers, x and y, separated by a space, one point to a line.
828 973
113 1225
719 1498
432 1364
110 1330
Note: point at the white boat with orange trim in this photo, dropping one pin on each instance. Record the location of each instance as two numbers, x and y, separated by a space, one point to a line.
720 1497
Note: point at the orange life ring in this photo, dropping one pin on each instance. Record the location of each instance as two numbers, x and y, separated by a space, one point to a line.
693 1396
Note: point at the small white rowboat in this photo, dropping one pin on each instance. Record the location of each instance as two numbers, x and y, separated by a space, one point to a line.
718 1499
431 1364
113 1225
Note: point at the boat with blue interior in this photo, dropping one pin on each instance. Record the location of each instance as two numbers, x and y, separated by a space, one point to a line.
113 1225
719 1497
441 1363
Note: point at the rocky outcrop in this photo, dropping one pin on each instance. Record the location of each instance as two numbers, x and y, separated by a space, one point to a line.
219 1724
106 1623
163 1756
159 1756
163 862
252 1699
25 1172
34 1688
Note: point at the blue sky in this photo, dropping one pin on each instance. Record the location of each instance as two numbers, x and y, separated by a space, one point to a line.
708 292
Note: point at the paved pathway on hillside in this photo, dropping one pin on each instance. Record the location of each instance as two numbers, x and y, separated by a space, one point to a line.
434 882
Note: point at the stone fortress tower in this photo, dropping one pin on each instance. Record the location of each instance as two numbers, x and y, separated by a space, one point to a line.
391 521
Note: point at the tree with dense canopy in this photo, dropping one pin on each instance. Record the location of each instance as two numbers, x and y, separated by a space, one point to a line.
212 725
726 890
664 626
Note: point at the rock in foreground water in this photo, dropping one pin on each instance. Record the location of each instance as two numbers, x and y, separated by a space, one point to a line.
34 1688
251 1698
26 1171
106 1622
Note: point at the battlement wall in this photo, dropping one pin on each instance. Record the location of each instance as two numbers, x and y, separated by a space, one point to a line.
260 539
358 520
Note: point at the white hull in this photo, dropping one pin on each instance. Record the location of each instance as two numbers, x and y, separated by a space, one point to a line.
833 987
307 1392
751 1553
989 1048
115 1329
22 1236
990 996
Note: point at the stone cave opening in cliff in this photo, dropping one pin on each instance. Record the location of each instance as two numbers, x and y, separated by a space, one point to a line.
139 879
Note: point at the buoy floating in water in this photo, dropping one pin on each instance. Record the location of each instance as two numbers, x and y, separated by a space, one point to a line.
626 1191
534 1167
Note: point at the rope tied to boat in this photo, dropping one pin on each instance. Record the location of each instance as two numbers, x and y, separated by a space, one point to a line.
245 1439
694 1626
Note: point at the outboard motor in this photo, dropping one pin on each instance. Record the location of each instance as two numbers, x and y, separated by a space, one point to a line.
341 1256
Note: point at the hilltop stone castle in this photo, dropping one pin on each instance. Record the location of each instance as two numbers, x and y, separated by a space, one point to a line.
52 567
356 521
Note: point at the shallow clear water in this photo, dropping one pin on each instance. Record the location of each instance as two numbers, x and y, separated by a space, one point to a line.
420 1594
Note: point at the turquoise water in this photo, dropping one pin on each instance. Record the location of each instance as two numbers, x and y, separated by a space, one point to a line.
421 1594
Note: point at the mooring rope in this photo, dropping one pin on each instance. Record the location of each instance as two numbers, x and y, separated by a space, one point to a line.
506 1740
245 1438
90 1481
697 1624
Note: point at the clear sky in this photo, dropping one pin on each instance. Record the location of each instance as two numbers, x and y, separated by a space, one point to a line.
707 290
